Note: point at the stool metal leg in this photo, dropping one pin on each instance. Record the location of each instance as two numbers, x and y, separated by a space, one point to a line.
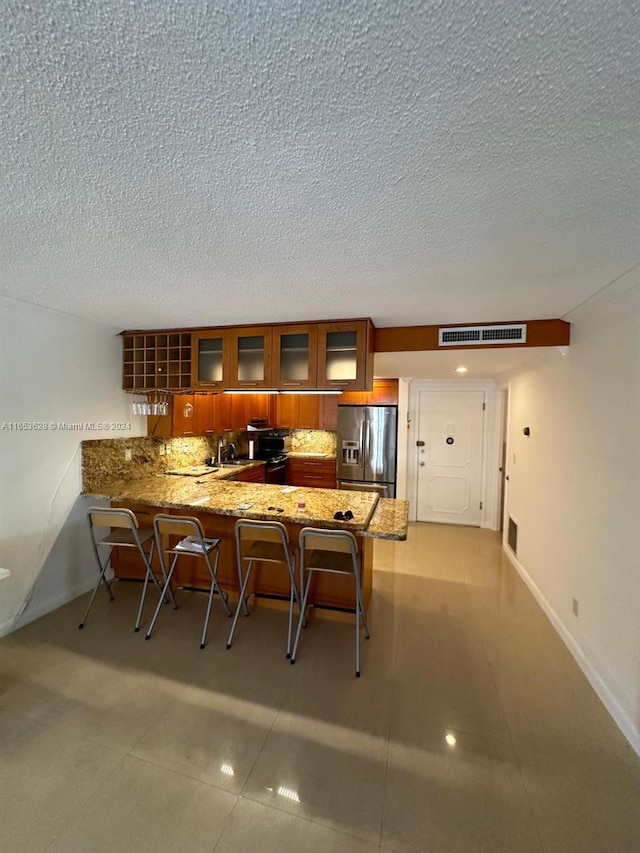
161 600
302 619
242 604
214 588
101 580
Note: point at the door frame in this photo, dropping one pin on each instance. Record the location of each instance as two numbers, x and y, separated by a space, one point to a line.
491 441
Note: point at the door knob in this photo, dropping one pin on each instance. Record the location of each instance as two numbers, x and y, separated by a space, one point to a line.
422 464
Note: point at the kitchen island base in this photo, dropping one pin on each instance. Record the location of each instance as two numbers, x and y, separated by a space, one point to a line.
331 591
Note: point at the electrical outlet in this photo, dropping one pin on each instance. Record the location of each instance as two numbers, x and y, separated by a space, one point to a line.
128 454
574 607
161 450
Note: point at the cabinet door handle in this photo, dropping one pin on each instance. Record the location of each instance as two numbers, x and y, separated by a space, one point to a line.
297 384
344 384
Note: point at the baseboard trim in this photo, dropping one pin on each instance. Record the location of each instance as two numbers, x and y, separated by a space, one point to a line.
619 715
31 614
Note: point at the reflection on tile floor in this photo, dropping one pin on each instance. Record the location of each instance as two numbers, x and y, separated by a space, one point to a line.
471 730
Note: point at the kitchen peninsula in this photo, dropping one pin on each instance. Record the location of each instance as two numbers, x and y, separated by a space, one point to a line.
218 501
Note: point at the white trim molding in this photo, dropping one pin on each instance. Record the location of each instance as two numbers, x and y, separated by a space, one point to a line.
620 716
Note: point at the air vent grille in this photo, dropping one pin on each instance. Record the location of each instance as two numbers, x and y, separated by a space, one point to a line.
512 536
475 335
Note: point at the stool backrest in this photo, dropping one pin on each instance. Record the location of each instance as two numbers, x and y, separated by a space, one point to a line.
249 531
316 538
177 525
111 517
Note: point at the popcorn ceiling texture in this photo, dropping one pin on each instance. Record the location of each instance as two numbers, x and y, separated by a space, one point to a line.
188 163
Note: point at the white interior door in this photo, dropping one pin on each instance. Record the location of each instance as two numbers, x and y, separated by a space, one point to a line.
449 456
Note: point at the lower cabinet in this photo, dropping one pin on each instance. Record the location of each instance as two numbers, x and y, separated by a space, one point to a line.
255 474
318 473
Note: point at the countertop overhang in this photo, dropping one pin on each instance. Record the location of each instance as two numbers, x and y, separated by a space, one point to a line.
382 518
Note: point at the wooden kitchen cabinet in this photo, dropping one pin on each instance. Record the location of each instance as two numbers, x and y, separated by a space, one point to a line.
189 415
298 411
345 355
210 359
250 358
235 411
317 473
295 356
383 393
156 361
256 474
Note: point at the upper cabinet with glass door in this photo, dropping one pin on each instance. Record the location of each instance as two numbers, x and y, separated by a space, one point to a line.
295 357
345 355
210 359
250 358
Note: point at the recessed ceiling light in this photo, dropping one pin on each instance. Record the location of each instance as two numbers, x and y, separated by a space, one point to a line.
450 739
461 369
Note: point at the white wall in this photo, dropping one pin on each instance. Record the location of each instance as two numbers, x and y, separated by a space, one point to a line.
53 368
575 492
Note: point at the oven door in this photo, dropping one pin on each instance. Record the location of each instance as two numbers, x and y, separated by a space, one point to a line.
276 473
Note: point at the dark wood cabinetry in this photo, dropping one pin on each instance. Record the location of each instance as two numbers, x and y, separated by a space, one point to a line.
295 357
156 361
250 358
318 473
210 359
336 355
255 474
345 355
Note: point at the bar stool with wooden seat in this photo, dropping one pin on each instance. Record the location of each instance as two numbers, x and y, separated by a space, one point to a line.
194 545
266 541
333 551
125 533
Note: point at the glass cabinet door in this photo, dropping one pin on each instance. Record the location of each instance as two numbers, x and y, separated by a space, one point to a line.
295 356
345 352
210 357
251 358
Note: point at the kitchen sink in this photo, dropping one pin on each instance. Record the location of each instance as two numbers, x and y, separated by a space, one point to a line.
233 463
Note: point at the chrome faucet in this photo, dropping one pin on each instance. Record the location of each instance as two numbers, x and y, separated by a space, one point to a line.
222 452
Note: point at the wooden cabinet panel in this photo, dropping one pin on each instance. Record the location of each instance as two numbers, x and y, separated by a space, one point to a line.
295 356
250 358
384 392
183 416
251 475
204 414
329 412
345 355
318 473
156 361
298 411
210 359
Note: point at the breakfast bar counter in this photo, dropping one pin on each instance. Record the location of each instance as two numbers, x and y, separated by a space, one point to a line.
218 503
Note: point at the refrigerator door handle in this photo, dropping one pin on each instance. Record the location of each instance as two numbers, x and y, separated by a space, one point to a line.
365 441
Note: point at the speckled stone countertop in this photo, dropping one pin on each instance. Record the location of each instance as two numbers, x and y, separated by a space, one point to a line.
245 500
303 454
389 520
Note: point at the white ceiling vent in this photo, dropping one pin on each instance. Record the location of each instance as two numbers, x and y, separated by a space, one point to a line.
474 335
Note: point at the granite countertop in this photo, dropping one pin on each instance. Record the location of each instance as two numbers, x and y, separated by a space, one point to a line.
247 500
302 454
389 520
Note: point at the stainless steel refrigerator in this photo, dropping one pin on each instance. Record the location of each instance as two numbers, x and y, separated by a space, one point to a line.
366 448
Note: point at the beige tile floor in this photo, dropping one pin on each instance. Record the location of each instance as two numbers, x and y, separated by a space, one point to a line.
108 742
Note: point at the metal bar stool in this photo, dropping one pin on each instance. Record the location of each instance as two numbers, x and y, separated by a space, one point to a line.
125 533
194 545
267 541
334 551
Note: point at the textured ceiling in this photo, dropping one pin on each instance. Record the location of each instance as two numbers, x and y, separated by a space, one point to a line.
416 161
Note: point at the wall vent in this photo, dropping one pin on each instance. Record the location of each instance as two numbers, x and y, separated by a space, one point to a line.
512 537
475 335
